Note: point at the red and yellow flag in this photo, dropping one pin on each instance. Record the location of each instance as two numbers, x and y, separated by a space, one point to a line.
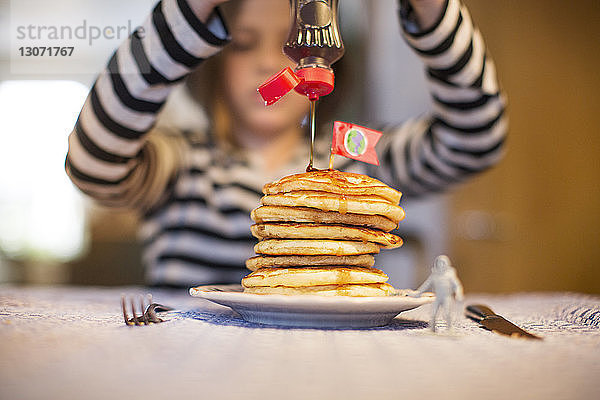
355 141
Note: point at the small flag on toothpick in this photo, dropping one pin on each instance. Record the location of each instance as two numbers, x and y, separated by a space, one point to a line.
355 141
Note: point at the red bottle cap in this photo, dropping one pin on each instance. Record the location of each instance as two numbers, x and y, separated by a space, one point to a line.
316 82
278 85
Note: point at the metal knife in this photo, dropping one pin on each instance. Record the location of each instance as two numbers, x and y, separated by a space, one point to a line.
495 323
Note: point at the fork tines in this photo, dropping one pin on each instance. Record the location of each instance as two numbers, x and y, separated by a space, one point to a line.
146 315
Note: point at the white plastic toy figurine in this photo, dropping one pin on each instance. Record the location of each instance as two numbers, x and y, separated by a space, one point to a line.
446 286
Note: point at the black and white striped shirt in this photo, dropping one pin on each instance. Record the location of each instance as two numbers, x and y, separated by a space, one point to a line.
196 200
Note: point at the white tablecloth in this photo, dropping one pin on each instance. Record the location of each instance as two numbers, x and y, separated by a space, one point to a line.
71 343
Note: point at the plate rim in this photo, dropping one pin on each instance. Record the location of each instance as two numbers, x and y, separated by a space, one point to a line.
302 301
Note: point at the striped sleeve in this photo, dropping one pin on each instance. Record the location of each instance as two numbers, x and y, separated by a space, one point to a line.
109 157
466 129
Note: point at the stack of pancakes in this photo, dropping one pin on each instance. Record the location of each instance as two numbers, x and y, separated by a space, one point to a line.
318 232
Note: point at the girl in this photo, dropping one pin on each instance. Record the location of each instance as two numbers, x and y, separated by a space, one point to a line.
195 193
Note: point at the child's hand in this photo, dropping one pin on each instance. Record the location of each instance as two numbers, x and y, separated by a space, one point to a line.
427 11
203 8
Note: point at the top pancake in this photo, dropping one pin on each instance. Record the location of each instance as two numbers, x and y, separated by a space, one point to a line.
332 181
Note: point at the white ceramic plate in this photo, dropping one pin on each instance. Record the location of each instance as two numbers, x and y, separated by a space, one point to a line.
311 311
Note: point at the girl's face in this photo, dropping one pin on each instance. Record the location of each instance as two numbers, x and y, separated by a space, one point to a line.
255 54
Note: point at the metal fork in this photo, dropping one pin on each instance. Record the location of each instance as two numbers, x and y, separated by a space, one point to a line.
147 313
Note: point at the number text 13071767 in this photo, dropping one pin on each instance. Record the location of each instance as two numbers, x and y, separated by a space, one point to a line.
50 51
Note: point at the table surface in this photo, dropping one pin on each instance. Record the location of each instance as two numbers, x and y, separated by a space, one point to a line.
71 343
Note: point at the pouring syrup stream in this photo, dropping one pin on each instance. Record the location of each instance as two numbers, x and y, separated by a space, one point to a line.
313 106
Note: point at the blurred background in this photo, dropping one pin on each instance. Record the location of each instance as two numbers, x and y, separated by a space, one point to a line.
532 223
